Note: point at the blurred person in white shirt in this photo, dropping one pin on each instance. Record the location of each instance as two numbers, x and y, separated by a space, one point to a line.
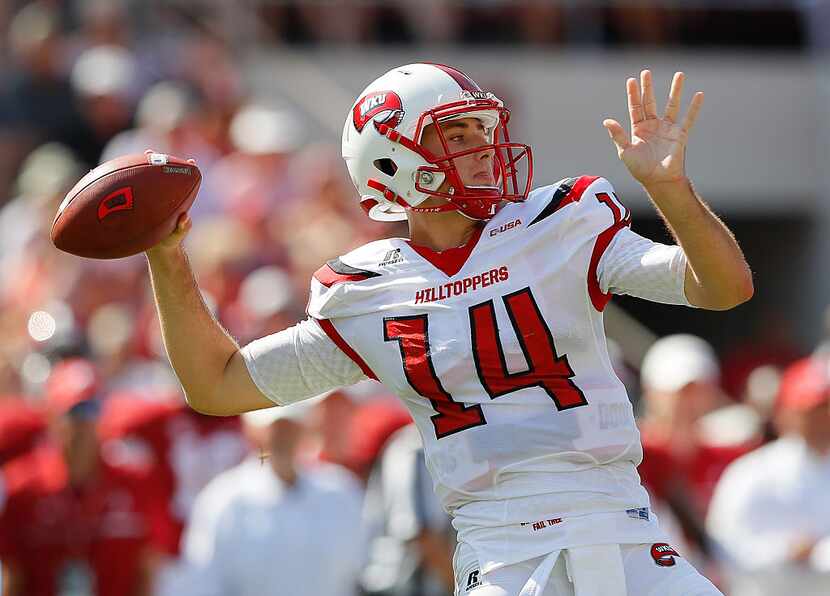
769 512
271 525
412 541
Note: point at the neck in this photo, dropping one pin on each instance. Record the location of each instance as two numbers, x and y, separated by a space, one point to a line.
285 471
440 231
819 446
81 469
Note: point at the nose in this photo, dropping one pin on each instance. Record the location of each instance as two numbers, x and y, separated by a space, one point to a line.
488 153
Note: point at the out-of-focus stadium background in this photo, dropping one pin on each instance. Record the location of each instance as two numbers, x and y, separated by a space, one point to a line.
256 91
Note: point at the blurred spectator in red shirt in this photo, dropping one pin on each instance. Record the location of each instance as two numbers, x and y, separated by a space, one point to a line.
354 423
20 427
771 344
71 521
177 449
681 464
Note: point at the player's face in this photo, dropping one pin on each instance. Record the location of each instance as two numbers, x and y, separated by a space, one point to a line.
475 169
814 425
76 436
283 438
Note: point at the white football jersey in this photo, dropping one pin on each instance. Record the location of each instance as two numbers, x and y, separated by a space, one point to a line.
498 350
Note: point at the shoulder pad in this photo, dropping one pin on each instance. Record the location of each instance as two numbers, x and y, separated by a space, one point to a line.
337 288
564 192
336 271
601 206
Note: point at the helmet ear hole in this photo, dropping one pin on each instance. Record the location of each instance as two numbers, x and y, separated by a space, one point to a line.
386 165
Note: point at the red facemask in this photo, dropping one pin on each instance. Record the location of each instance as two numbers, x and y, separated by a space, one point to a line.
476 202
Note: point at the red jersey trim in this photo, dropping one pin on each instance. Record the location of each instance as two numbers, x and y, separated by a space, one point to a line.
578 190
449 261
335 336
568 191
336 271
599 298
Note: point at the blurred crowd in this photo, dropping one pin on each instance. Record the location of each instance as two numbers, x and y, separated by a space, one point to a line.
540 22
110 485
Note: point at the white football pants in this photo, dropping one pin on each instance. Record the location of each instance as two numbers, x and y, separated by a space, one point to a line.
603 570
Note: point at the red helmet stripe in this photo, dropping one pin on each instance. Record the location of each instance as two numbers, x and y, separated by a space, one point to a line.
465 82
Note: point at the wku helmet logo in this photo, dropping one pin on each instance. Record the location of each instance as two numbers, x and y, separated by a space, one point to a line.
663 554
383 107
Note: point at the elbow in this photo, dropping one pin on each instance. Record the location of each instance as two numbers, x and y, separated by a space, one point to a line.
748 288
744 290
197 402
202 402
206 395
741 292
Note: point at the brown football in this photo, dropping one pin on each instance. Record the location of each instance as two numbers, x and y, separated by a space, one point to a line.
125 205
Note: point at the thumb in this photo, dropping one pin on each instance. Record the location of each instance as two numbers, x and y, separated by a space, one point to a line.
172 241
617 134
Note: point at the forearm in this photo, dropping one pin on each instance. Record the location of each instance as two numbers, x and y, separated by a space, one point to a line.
198 347
717 275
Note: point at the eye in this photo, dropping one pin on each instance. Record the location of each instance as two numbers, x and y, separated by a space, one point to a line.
457 138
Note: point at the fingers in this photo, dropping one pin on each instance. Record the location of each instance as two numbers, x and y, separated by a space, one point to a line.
635 104
649 103
617 133
171 242
183 224
692 112
675 92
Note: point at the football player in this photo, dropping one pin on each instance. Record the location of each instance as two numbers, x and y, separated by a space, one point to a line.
487 323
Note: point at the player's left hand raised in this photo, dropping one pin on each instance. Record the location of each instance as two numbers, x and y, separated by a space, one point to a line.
656 151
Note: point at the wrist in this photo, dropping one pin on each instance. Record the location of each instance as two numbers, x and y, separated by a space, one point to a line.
663 187
671 193
165 256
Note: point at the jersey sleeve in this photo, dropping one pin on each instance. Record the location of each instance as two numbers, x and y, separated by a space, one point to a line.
595 220
640 267
622 261
298 363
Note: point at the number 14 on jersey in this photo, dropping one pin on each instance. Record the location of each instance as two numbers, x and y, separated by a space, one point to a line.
545 369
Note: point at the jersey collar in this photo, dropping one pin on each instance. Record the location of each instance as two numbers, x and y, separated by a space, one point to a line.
449 261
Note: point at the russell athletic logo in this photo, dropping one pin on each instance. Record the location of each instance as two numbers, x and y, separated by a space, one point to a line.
663 554
473 580
393 256
383 107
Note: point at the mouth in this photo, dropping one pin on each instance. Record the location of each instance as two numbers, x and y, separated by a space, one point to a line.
484 178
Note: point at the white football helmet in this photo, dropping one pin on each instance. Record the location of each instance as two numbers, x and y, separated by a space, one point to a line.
393 172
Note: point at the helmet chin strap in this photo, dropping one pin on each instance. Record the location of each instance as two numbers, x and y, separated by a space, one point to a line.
449 205
462 207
